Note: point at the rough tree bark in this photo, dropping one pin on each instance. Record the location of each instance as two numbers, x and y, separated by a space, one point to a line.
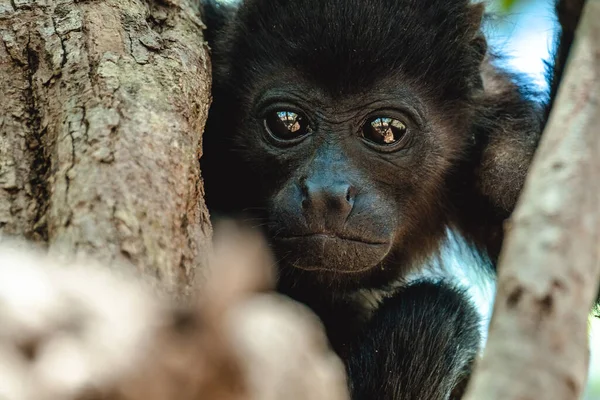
102 106
550 265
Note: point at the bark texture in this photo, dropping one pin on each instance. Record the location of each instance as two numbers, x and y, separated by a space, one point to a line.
550 265
102 108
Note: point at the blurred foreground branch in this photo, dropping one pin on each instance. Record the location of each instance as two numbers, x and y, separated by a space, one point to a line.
550 265
85 332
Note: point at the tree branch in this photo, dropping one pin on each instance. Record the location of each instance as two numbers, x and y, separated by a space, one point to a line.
550 265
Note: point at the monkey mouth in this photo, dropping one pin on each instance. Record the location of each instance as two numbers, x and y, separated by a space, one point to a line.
331 252
334 237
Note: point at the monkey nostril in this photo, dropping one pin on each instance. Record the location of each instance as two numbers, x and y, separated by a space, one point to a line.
305 193
303 187
350 195
305 203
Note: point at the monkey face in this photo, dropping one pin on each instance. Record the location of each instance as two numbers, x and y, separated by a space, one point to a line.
349 181
345 134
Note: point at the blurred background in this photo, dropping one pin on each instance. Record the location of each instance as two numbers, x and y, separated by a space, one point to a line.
523 30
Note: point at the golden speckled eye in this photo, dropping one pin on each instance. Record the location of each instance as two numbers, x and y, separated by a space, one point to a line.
384 131
286 125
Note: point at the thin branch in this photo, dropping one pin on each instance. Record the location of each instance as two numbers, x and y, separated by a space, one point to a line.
550 265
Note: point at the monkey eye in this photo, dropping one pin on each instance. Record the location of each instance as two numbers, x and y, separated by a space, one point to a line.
384 131
286 125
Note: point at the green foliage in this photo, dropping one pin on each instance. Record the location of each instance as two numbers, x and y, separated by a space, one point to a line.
506 5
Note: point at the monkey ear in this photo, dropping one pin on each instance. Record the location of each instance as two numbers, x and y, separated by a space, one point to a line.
476 13
477 42
476 16
216 14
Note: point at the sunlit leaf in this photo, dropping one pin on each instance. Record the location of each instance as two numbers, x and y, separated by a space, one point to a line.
507 4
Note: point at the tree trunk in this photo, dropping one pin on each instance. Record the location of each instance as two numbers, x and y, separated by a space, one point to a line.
550 265
102 108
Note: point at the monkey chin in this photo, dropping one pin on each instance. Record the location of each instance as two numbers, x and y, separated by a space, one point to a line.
332 254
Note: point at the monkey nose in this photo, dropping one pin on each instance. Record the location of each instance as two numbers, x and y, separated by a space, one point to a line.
331 201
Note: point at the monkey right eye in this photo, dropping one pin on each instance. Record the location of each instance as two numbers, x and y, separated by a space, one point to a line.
286 125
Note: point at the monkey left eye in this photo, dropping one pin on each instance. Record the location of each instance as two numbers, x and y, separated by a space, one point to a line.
286 125
384 131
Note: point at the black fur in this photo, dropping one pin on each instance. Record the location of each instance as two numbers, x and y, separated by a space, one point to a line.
345 216
479 130
421 344
216 14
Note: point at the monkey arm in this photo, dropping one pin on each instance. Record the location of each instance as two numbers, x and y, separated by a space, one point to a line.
419 344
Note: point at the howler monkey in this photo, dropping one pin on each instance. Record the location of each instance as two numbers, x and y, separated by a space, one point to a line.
358 133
